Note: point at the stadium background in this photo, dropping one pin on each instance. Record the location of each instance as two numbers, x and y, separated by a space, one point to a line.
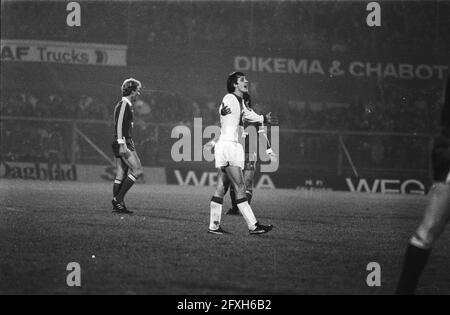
381 120
55 186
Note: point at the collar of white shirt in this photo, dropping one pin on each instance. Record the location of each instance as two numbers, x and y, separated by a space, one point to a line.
126 100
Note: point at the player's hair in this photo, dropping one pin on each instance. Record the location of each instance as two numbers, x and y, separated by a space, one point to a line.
232 80
130 85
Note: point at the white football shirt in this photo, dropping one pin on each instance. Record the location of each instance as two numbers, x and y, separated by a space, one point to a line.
229 124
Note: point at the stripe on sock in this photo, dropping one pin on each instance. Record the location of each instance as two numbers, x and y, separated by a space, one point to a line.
418 242
130 176
117 181
241 200
217 200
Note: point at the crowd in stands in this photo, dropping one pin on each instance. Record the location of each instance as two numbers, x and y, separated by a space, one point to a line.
298 25
325 26
52 105
36 138
34 141
46 20
155 108
397 114
406 116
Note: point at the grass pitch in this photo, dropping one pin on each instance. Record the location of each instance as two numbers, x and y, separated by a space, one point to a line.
321 244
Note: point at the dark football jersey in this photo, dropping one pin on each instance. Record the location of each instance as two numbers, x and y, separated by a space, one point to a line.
251 147
123 119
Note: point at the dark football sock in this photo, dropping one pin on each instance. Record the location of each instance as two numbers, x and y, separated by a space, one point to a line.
415 261
233 198
116 187
126 185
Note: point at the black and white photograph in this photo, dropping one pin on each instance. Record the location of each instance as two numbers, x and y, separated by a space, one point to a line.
225 153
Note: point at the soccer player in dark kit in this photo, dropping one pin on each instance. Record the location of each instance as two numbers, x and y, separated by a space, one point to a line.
437 212
128 165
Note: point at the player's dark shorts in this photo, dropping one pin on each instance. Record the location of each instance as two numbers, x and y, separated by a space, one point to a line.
115 146
440 158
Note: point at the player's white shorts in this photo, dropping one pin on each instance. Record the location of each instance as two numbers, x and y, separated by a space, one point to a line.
229 153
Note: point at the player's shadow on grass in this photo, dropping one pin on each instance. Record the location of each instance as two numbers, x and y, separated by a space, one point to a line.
305 221
148 213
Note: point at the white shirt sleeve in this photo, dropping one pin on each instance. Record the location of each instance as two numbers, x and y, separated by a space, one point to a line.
231 102
251 116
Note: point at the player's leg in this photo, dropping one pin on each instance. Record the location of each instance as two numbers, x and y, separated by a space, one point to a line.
135 171
121 172
249 175
237 180
223 183
216 203
437 215
234 210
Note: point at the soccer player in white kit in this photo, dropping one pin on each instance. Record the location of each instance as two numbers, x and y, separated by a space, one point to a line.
229 156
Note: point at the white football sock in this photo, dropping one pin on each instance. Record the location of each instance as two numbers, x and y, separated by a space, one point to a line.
248 215
216 214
